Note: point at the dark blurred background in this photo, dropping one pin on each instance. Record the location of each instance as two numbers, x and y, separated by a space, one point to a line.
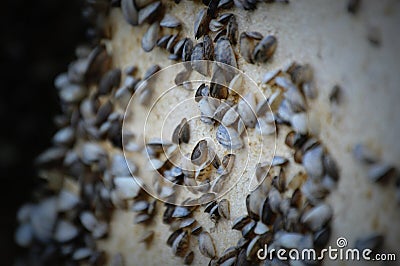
38 39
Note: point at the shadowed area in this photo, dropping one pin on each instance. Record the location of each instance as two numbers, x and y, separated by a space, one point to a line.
38 41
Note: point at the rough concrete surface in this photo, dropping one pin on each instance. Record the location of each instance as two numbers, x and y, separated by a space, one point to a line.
334 42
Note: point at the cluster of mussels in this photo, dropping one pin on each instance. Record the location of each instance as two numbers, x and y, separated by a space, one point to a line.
282 212
88 175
